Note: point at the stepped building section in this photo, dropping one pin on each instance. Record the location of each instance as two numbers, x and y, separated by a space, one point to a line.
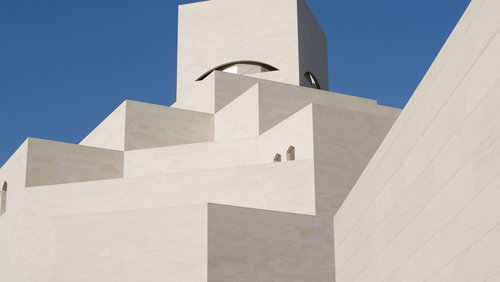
258 173
238 181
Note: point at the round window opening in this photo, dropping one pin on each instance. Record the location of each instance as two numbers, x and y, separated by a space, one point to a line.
313 81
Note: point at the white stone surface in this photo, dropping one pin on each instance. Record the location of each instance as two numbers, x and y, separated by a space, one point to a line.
110 134
280 33
424 204
240 118
131 245
142 125
191 192
55 162
151 126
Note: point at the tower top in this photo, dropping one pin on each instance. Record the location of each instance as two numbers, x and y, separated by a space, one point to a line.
277 40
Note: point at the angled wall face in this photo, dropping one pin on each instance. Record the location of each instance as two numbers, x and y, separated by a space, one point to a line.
277 246
344 142
295 247
52 162
426 207
152 184
131 245
110 133
23 257
240 118
196 192
136 125
149 126
267 103
191 157
313 49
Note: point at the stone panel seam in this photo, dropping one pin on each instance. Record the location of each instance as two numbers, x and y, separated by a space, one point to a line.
423 133
492 276
418 177
472 244
440 190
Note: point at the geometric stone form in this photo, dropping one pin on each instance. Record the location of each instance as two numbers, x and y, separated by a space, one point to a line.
426 207
281 34
192 192
135 125
52 162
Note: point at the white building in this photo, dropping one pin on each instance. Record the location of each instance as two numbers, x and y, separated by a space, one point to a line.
427 208
241 178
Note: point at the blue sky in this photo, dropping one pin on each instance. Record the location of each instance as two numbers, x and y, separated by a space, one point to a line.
66 64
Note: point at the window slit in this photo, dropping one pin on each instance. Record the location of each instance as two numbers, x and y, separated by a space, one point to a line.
277 158
3 201
290 153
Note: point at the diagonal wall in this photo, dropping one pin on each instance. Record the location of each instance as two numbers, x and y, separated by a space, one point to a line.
424 207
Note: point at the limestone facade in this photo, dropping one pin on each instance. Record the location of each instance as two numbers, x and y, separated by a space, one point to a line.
194 192
259 173
426 207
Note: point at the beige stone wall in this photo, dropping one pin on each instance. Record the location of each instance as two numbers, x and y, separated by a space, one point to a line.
258 245
110 133
130 245
23 252
52 162
344 143
192 157
313 47
296 131
192 192
213 33
287 187
278 102
295 247
240 118
81 199
150 125
82 223
220 88
425 207
136 125
280 33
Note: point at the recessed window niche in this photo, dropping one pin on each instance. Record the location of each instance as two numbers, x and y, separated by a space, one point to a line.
3 196
290 153
313 81
277 158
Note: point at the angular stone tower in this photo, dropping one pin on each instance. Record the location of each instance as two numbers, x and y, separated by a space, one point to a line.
277 40
238 181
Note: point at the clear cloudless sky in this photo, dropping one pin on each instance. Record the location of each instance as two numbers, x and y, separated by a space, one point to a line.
66 64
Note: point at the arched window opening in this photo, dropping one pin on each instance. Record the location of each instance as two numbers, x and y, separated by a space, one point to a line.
3 202
290 153
241 67
277 158
313 81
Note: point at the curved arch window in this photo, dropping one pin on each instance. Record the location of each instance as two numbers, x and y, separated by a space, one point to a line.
313 81
3 202
240 67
